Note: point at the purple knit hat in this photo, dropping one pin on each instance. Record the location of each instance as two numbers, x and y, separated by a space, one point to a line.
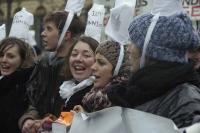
170 39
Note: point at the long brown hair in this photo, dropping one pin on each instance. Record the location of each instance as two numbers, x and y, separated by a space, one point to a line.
86 39
25 51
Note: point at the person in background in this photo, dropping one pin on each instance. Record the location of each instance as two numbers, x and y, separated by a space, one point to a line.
104 69
16 65
81 58
167 84
43 86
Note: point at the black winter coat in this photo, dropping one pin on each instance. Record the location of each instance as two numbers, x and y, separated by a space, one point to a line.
182 105
13 100
160 89
43 86
76 99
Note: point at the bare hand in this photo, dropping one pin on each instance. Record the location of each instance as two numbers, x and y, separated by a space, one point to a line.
31 126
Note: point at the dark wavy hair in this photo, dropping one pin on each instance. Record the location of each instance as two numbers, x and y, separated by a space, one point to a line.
59 18
25 50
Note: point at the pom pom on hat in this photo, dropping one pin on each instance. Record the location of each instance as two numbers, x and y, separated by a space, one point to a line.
170 39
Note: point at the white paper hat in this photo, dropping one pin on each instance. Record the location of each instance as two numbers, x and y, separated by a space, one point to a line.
21 23
117 28
94 25
72 6
2 32
75 6
120 18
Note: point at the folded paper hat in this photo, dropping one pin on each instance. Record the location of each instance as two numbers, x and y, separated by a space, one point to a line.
74 6
171 37
21 23
117 27
94 25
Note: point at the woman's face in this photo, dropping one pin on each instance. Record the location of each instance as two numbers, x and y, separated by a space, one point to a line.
134 57
81 60
102 70
10 60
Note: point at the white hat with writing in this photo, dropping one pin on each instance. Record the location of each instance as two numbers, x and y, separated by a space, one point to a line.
21 23
94 25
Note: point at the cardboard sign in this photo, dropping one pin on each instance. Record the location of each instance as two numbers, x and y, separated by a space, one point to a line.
193 8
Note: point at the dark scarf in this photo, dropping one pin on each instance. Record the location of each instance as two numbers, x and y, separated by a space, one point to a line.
97 98
151 82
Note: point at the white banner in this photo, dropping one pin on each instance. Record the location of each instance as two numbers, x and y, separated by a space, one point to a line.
121 120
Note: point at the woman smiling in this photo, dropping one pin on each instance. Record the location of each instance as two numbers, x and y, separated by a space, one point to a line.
111 67
16 64
79 80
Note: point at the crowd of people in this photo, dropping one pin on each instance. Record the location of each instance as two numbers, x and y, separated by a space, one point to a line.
159 76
